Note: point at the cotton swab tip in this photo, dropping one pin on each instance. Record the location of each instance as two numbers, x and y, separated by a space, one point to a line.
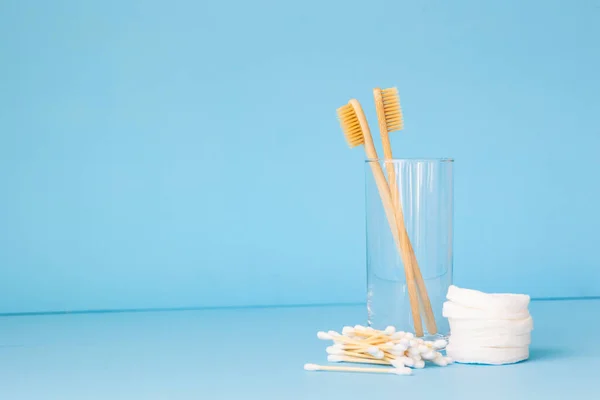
347 330
359 328
390 330
403 371
334 350
335 358
416 358
440 344
375 352
400 347
311 367
441 361
407 361
323 335
413 351
333 334
423 349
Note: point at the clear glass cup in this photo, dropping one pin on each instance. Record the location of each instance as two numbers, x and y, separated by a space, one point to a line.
424 190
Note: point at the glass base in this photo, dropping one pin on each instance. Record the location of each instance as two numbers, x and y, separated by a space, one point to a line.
435 337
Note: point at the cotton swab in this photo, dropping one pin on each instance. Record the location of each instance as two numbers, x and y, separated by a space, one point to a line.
376 352
336 337
440 360
429 355
397 371
371 335
333 335
360 330
332 350
407 361
357 360
360 353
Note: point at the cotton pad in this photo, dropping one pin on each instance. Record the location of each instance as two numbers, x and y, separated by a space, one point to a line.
487 328
456 311
490 327
500 302
463 340
487 355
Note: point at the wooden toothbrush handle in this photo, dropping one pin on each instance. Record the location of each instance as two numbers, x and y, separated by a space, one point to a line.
393 184
395 220
425 301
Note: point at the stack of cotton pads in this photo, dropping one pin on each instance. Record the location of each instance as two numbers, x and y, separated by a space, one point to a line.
488 328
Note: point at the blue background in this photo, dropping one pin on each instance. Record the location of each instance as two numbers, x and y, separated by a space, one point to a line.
186 154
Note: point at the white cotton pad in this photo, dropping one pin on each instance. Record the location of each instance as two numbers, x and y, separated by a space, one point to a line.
490 327
456 311
502 302
466 340
487 355
511 326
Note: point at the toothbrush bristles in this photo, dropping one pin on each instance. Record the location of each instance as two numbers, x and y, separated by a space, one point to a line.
350 125
391 107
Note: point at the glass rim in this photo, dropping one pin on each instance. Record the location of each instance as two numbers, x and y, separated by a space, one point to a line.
393 160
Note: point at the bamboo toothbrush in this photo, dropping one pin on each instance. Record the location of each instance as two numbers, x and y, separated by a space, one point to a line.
389 115
357 132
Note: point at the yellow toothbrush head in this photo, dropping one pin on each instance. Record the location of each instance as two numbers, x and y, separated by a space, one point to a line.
391 106
350 123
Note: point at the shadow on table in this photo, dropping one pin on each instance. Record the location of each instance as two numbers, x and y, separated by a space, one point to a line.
547 353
